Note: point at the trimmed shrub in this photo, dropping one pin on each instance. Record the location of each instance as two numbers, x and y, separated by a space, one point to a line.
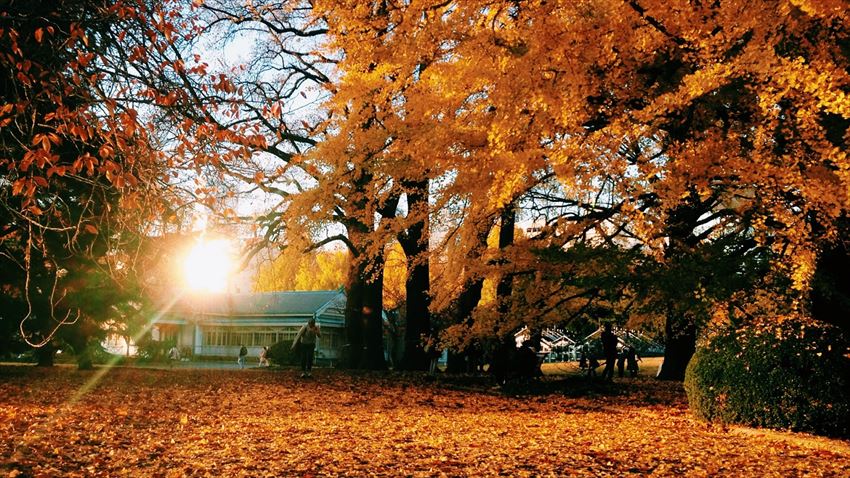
282 354
783 375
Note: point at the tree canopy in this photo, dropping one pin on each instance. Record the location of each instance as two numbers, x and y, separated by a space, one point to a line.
671 157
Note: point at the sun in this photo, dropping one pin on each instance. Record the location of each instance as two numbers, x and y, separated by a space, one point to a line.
208 266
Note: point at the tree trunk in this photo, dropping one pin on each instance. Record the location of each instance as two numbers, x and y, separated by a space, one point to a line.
352 351
505 352
468 299
418 317
466 303
414 242
84 359
505 287
680 344
830 292
680 330
45 355
373 321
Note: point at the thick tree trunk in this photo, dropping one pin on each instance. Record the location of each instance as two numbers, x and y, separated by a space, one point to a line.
456 362
505 353
414 242
84 360
681 339
468 299
352 351
45 355
680 330
418 317
830 294
373 332
505 287
466 303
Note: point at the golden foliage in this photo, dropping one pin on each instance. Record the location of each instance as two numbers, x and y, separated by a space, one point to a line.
486 96
317 270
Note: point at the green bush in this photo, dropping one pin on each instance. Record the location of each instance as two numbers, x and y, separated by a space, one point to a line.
790 375
153 351
281 354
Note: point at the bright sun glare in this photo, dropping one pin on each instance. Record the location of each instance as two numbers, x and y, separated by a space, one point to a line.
208 266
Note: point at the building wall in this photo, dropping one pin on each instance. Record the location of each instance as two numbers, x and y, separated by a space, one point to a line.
222 341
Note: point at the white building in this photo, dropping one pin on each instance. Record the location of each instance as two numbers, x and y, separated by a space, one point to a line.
217 325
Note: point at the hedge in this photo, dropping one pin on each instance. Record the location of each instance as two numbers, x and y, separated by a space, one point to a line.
282 354
790 375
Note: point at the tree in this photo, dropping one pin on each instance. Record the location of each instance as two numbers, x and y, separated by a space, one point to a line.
316 270
73 162
651 105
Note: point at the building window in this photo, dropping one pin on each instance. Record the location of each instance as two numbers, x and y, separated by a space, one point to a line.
249 337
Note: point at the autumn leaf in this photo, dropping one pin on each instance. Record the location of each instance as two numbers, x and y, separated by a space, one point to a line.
250 422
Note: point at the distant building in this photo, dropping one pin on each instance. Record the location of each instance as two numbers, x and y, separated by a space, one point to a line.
216 325
644 345
555 344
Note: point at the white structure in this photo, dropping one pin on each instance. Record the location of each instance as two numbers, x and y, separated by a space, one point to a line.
555 345
217 325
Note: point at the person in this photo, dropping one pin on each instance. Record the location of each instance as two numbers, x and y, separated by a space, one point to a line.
621 362
526 361
433 353
609 349
173 355
306 341
633 359
593 364
243 352
264 361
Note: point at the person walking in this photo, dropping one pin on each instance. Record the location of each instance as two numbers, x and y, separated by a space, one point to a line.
243 352
633 359
264 357
609 349
621 362
173 355
305 340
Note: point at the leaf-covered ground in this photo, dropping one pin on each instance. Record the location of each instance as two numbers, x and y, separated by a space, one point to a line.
136 422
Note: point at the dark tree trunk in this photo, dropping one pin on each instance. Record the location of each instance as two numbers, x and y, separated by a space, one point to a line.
681 338
680 329
84 360
418 323
505 352
45 355
352 351
373 322
466 303
414 242
456 362
830 294
468 299
506 238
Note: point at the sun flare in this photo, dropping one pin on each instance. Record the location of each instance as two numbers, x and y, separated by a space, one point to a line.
208 266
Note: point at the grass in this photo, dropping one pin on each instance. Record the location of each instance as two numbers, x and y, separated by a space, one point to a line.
144 422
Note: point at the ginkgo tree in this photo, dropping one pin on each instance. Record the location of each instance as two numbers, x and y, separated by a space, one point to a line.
726 117
658 128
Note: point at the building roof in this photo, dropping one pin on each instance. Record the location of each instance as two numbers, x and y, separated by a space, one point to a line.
271 304
260 309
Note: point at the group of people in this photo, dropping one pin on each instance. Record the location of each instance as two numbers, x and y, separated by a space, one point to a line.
625 358
305 342
243 357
